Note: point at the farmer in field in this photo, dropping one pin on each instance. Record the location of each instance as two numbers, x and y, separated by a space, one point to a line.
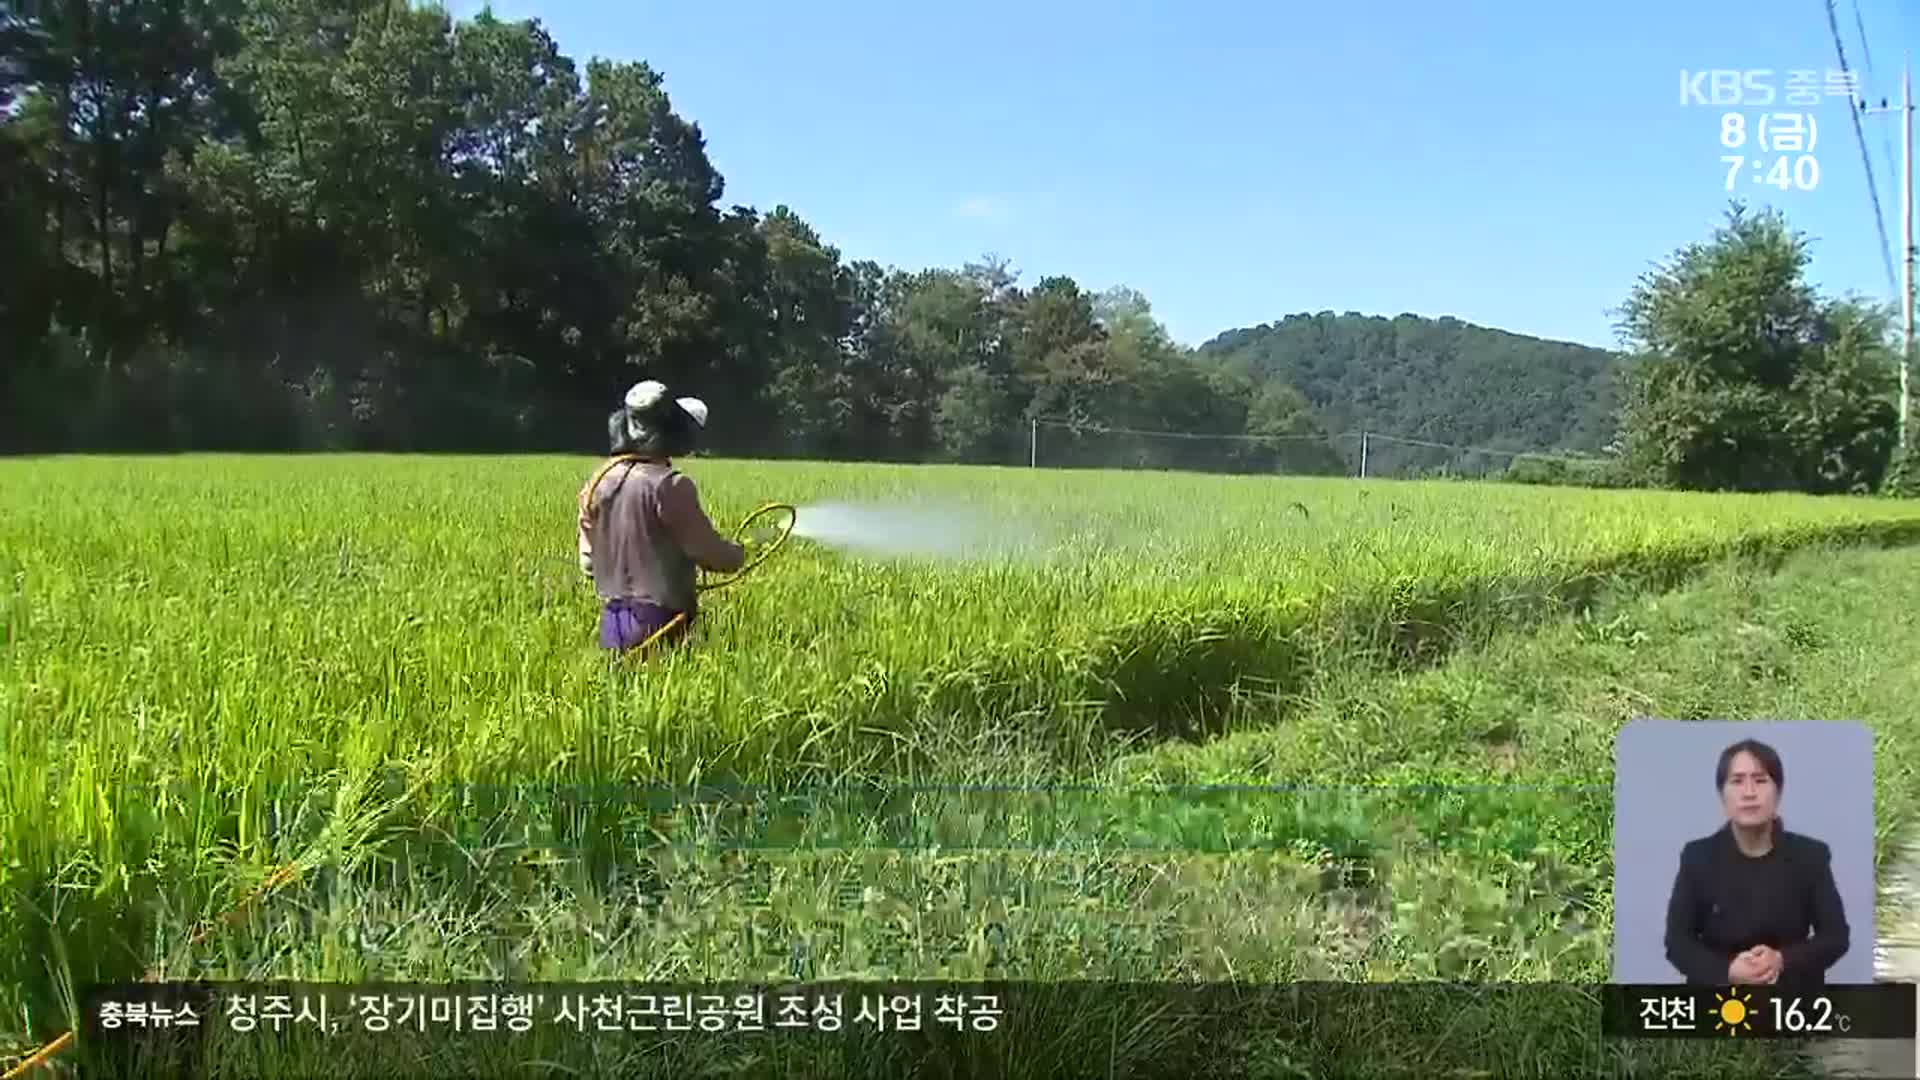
643 532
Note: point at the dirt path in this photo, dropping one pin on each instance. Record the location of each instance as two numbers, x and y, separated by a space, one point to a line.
1897 959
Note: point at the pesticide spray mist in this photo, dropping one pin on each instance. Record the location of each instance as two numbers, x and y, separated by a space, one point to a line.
916 530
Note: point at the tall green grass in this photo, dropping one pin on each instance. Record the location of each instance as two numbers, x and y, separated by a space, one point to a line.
211 619
214 665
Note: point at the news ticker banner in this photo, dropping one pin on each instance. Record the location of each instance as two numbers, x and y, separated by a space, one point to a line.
973 1009
510 1009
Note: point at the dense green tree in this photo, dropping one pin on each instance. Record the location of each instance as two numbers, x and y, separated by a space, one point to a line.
1744 379
1302 444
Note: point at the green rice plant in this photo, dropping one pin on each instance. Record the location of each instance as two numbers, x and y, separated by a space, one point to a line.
217 665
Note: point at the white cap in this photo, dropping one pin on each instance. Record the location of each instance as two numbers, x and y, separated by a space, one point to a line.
645 395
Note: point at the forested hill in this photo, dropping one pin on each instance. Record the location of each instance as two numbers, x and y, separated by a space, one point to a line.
1436 379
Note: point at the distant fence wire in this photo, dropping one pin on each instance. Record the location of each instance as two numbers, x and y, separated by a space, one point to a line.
1351 453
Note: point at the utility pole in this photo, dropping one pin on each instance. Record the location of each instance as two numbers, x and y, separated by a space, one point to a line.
1906 228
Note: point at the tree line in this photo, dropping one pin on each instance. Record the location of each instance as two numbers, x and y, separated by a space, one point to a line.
358 224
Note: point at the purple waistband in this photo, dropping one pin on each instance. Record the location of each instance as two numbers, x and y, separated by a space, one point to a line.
627 623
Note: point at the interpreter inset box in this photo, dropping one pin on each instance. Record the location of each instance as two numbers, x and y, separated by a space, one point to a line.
1743 853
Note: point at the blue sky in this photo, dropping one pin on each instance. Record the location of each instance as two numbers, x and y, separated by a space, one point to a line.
1513 164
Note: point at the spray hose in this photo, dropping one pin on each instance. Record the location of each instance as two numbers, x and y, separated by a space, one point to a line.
764 552
722 582
719 582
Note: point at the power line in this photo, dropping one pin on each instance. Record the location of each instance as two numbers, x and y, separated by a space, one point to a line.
1374 436
1866 58
1097 429
1866 160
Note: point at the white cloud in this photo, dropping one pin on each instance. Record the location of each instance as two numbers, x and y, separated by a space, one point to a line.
982 208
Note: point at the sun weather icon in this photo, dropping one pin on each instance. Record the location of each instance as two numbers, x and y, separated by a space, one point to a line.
1735 1012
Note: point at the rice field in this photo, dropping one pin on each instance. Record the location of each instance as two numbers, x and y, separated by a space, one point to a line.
381 670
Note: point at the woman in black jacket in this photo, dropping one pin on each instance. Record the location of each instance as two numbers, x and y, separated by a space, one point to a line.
1753 903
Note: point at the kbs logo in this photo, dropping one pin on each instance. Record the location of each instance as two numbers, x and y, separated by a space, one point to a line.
1724 87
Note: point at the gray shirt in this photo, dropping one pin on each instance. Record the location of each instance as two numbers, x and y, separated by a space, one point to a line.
643 533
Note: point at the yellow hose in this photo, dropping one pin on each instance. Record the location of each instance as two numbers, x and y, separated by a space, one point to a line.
793 516
678 618
274 880
40 1057
586 493
708 586
593 485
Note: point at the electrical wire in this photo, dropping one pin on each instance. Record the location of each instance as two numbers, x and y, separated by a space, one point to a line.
1866 161
1866 59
